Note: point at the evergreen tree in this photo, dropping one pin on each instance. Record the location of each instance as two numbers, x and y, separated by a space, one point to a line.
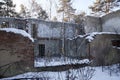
54 18
35 11
7 8
66 9
23 11
79 18
104 6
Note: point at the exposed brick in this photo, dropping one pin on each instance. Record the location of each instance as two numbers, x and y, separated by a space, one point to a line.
15 48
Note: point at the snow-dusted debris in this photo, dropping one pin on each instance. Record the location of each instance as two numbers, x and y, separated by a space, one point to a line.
18 31
58 61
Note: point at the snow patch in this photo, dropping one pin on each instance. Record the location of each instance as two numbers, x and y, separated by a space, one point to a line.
39 62
18 31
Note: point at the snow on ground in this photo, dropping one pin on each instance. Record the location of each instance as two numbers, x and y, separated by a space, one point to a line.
108 73
75 74
40 62
18 31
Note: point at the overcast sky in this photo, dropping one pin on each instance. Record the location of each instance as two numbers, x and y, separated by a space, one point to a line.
80 5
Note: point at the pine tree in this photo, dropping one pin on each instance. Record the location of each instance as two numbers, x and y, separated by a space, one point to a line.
35 11
79 18
66 9
7 8
23 11
104 6
54 18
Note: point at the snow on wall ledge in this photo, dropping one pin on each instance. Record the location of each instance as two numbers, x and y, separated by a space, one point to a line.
90 36
18 31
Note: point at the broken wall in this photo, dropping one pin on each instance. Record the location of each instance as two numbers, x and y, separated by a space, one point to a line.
92 24
102 51
16 54
111 22
76 48
106 23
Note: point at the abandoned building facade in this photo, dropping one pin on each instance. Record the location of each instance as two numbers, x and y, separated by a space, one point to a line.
47 35
97 39
50 36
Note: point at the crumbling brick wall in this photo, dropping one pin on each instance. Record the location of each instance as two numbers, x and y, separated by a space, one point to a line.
16 52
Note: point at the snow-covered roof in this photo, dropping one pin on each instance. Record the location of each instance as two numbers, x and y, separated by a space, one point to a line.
18 31
90 36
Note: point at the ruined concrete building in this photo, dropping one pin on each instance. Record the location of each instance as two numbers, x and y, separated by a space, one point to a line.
47 35
50 36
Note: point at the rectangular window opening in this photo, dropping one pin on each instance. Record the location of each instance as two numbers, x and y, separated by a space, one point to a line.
42 50
34 31
116 43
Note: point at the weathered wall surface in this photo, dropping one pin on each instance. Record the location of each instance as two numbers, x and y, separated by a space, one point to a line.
102 51
16 53
45 32
111 22
13 23
107 23
92 24
44 29
57 29
50 35
76 48
52 47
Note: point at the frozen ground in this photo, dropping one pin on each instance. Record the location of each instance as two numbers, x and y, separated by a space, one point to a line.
79 74
95 73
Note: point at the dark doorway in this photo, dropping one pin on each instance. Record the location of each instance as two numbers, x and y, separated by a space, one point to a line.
34 30
41 50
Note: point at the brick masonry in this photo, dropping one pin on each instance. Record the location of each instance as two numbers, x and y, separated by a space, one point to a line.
15 49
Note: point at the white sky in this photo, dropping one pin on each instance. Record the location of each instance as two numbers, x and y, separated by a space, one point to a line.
80 5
